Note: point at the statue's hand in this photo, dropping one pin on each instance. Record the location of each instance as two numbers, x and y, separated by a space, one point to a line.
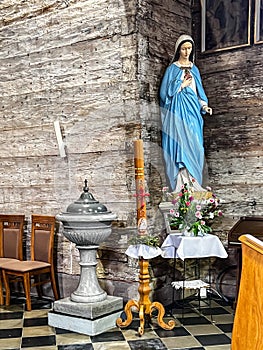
187 81
208 110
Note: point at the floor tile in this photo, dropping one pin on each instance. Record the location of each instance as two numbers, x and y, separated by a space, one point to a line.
11 315
12 323
11 333
54 347
213 339
63 331
131 334
34 342
71 338
193 320
181 342
191 348
149 344
186 314
214 311
218 347
203 329
13 343
76 347
108 336
229 308
37 331
226 327
12 308
176 332
223 318
229 335
37 321
111 346
36 313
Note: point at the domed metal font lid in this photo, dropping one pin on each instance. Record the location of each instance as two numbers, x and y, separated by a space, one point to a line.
86 204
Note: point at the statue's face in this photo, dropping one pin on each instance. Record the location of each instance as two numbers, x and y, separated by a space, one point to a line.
186 50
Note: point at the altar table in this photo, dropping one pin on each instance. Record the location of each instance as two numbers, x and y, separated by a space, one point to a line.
178 246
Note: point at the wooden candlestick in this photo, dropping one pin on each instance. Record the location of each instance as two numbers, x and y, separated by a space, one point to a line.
144 306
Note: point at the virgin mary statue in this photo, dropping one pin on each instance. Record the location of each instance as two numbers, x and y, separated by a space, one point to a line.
183 102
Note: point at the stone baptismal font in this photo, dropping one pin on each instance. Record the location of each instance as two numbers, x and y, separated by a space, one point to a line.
88 310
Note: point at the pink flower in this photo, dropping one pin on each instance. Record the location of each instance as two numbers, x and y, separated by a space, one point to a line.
172 211
188 204
174 201
198 207
198 215
191 198
202 222
211 200
216 203
220 213
177 214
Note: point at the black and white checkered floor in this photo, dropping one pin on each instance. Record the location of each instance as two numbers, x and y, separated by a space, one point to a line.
20 329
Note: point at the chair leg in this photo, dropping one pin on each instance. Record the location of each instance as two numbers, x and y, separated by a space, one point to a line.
53 284
7 287
26 280
1 290
38 286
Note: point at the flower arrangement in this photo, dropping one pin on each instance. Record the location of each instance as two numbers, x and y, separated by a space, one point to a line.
193 212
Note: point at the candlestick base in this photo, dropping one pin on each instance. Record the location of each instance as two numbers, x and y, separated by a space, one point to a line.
144 306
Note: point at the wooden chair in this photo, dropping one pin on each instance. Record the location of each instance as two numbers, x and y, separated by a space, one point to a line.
11 242
246 224
41 263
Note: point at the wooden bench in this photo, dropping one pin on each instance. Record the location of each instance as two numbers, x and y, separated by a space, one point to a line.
247 330
245 225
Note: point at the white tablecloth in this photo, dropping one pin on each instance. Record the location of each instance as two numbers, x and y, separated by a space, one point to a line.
143 250
183 247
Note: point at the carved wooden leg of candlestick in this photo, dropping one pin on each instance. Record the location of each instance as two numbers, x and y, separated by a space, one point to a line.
168 326
142 321
144 306
128 312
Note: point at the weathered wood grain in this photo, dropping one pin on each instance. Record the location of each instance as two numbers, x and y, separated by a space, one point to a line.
96 66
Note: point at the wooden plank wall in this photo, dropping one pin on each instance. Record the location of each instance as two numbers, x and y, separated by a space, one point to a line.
233 135
72 61
96 67
67 63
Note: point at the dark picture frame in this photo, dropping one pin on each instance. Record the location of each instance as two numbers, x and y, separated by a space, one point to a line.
225 24
258 30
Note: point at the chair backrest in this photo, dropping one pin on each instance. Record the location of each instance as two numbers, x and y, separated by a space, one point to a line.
246 224
11 236
42 237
